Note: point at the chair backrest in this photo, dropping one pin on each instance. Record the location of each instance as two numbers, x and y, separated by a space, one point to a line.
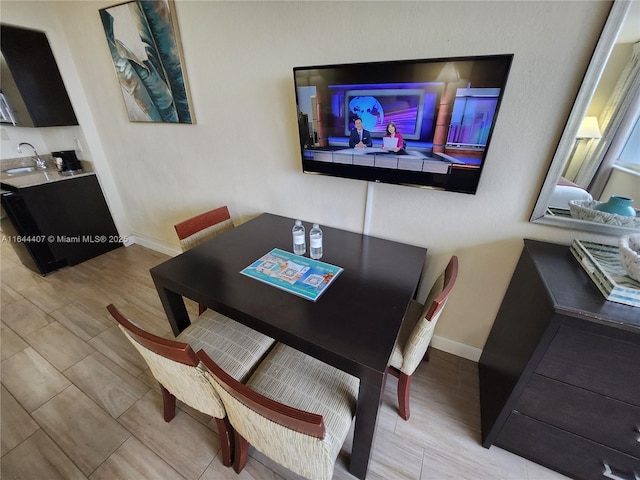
247 401
175 365
420 337
289 436
196 230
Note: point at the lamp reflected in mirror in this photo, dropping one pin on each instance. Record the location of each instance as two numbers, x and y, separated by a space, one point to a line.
589 128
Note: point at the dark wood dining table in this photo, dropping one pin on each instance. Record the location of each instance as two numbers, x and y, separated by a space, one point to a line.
352 326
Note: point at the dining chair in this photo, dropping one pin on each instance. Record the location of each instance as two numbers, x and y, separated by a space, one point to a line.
294 409
416 333
175 365
199 229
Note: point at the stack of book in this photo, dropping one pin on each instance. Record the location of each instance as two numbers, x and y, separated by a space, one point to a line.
602 264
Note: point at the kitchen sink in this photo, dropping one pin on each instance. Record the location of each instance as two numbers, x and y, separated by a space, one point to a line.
19 170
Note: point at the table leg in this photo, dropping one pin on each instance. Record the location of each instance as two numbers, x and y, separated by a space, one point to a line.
369 401
174 307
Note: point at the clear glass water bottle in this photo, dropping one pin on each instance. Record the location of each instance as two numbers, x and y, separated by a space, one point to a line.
315 241
299 241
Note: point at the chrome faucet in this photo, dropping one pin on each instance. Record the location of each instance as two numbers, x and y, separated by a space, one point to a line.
40 165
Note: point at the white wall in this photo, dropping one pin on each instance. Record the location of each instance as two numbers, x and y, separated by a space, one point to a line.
44 140
243 150
623 182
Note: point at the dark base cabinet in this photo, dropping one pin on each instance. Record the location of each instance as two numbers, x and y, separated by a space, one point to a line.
59 223
560 372
17 226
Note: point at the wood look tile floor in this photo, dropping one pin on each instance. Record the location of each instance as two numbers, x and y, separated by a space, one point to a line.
77 401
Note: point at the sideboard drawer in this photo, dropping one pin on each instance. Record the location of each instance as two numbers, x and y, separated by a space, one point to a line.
590 415
595 362
564 452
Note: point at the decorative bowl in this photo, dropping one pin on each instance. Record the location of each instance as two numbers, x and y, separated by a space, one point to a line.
619 205
629 247
584 210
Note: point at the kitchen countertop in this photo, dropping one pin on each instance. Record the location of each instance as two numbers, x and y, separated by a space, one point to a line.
39 177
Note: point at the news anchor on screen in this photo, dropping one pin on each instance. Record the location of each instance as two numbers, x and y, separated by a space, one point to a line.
359 137
392 141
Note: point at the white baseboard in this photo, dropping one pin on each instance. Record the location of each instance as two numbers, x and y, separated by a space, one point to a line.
456 348
153 244
441 343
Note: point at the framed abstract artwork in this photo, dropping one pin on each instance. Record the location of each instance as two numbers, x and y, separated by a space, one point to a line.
144 42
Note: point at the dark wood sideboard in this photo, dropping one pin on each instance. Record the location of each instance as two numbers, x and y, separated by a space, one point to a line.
560 372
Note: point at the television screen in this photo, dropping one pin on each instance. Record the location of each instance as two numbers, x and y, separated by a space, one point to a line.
425 123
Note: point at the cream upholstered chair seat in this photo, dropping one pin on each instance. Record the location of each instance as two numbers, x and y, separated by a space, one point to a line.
416 333
236 348
295 379
294 409
175 365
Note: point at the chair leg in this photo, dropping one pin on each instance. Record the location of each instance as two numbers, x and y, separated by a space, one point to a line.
201 309
225 430
426 356
404 387
241 452
169 402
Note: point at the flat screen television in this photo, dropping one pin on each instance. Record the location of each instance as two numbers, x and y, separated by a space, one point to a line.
445 109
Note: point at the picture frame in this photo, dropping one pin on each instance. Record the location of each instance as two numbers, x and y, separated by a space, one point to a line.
144 42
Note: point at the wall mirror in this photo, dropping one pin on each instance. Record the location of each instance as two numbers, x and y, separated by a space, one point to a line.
599 152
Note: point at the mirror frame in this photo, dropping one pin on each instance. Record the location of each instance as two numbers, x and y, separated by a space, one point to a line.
599 60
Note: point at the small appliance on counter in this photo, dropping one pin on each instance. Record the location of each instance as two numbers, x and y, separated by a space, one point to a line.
66 161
